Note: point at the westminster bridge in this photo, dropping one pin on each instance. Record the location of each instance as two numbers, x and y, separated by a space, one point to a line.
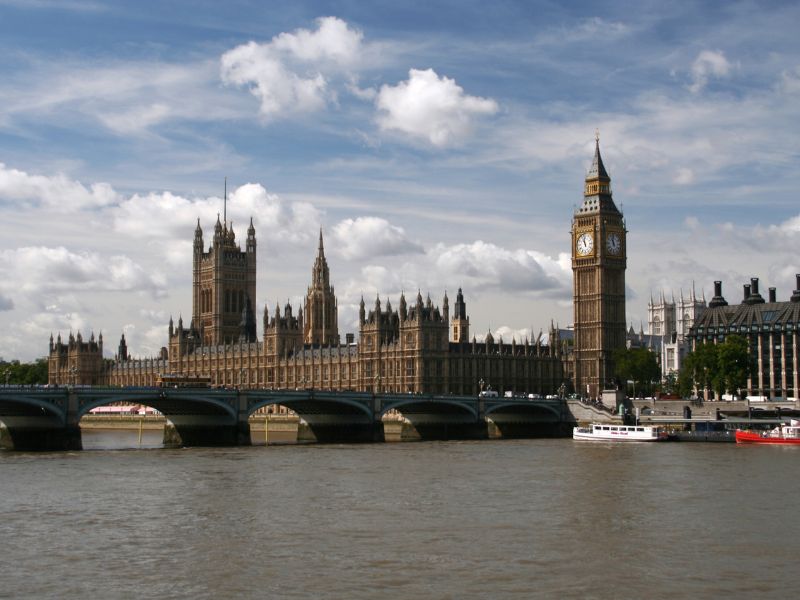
49 419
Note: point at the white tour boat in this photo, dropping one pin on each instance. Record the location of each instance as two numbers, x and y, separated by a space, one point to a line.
618 433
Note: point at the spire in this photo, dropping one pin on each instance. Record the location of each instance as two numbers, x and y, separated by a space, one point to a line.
598 169
225 204
251 231
597 189
321 248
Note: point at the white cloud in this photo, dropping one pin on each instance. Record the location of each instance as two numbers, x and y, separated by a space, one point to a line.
166 216
290 73
708 64
55 192
366 237
691 222
33 270
431 108
482 266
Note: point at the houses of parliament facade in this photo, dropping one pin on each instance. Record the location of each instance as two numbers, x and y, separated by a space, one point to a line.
417 347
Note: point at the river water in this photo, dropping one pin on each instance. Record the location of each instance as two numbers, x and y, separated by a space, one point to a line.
489 519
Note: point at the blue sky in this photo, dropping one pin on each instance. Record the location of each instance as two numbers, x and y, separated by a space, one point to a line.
439 145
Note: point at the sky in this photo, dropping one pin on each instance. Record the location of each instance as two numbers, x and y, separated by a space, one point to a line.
438 145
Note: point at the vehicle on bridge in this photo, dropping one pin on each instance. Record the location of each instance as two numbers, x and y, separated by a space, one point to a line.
172 380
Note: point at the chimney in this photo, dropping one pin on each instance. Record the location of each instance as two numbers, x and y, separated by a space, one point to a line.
796 294
717 300
772 295
349 338
755 297
746 293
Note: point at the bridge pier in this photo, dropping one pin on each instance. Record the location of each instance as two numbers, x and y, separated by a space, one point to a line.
28 434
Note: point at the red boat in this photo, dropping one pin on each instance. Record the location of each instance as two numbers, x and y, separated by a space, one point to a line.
782 434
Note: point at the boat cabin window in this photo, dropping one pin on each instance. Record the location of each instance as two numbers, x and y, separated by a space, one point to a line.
640 429
614 429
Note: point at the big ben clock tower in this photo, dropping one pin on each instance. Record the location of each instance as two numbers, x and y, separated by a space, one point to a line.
598 271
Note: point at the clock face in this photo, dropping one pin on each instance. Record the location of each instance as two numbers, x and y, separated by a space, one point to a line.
585 244
613 243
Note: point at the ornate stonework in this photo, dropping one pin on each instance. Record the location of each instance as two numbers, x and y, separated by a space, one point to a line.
598 267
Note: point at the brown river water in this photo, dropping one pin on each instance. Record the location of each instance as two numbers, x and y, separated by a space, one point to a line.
487 519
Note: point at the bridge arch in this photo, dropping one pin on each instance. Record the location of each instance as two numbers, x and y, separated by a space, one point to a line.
428 405
523 407
167 402
309 406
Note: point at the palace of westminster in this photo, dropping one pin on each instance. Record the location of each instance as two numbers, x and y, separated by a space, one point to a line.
423 348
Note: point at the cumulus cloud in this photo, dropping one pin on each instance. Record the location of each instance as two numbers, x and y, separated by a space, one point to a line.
56 192
431 108
708 64
165 216
371 237
43 269
290 74
482 265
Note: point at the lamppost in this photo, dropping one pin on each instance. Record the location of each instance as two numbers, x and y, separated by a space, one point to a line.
378 383
7 375
74 372
241 377
480 383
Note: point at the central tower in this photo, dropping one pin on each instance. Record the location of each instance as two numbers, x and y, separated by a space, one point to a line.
321 326
598 270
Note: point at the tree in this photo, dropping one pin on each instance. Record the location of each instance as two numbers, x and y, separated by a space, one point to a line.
17 373
721 367
638 365
734 363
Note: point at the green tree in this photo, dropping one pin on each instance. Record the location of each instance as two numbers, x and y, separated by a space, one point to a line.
638 365
722 367
19 373
734 363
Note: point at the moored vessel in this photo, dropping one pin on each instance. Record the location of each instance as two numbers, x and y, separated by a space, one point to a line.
618 433
782 434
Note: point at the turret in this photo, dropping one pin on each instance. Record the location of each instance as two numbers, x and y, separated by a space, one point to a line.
404 308
362 312
198 241
251 238
122 351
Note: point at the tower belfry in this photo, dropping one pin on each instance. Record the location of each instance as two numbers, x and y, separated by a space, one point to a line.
598 268
320 317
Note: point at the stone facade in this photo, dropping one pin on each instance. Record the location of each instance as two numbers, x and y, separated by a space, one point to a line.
598 267
407 350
